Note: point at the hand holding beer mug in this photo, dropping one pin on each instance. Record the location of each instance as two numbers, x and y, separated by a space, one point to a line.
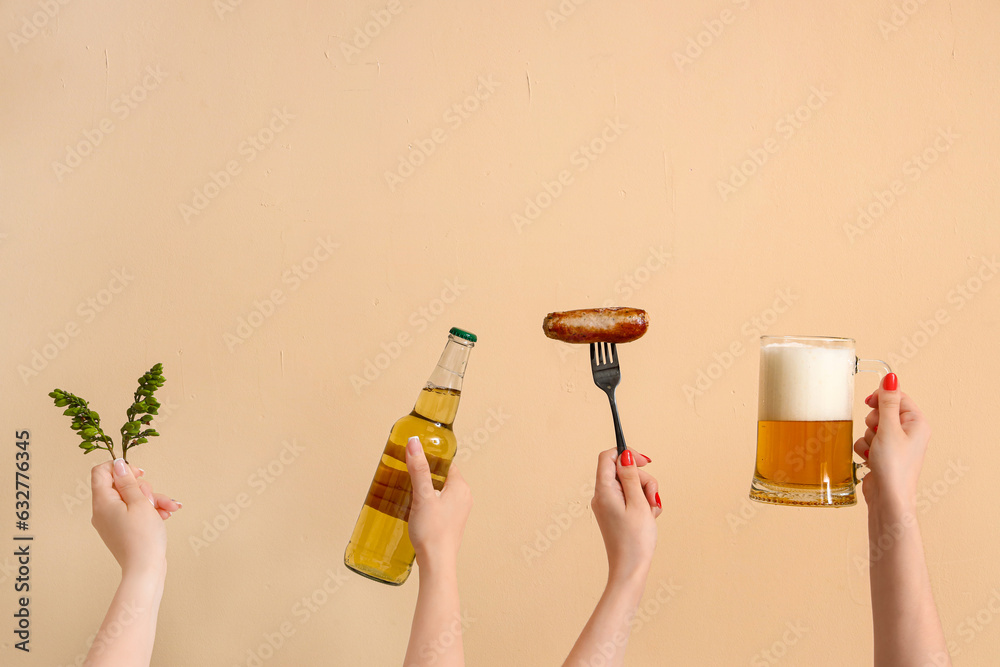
804 421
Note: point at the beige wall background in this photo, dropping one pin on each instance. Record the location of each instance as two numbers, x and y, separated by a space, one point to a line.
717 163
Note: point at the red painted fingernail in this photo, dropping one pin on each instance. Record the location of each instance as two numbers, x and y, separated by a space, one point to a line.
869 397
866 452
647 458
627 458
658 500
875 429
891 382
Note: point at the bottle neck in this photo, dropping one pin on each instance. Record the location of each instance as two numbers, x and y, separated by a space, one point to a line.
438 401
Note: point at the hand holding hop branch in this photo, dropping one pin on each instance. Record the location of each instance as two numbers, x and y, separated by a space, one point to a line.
87 423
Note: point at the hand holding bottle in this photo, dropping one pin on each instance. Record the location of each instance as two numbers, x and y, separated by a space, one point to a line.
437 520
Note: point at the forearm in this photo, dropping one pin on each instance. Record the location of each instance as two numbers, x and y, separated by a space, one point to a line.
126 636
606 633
906 624
436 633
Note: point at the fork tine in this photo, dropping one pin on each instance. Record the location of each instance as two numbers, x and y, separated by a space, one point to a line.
607 354
593 355
614 354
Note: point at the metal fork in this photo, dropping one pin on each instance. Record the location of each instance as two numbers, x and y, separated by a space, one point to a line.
607 375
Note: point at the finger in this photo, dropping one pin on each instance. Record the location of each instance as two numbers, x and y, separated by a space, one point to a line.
641 459
861 447
137 471
147 491
889 399
455 481
102 488
419 469
871 421
127 484
628 476
161 501
164 514
607 470
908 406
869 436
651 489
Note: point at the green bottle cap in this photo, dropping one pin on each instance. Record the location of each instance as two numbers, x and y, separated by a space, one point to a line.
461 333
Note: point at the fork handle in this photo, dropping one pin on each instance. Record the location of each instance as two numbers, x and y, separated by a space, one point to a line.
619 436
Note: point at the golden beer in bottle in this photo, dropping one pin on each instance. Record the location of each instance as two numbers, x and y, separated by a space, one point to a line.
380 547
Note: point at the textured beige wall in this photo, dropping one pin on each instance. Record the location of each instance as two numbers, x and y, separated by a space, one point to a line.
211 151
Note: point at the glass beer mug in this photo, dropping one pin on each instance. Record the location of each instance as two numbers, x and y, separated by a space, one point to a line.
804 425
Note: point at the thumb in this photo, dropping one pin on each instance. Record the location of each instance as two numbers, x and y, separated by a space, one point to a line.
628 475
419 469
127 485
888 401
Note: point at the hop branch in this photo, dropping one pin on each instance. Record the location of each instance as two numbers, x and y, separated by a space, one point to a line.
134 432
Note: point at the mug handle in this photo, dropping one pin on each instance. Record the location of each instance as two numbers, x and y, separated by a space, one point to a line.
869 366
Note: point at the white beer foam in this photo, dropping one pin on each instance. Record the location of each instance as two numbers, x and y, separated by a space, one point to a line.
805 383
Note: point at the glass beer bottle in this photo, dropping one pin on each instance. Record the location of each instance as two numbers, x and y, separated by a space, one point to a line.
380 547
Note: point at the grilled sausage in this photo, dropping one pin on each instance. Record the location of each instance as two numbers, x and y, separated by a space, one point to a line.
596 325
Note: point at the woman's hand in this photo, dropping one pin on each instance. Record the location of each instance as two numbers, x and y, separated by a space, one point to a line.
129 517
894 446
626 504
437 519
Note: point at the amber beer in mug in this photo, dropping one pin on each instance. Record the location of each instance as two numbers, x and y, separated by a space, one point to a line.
804 423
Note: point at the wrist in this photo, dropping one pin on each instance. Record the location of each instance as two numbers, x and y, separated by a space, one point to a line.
153 573
628 581
437 567
894 503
